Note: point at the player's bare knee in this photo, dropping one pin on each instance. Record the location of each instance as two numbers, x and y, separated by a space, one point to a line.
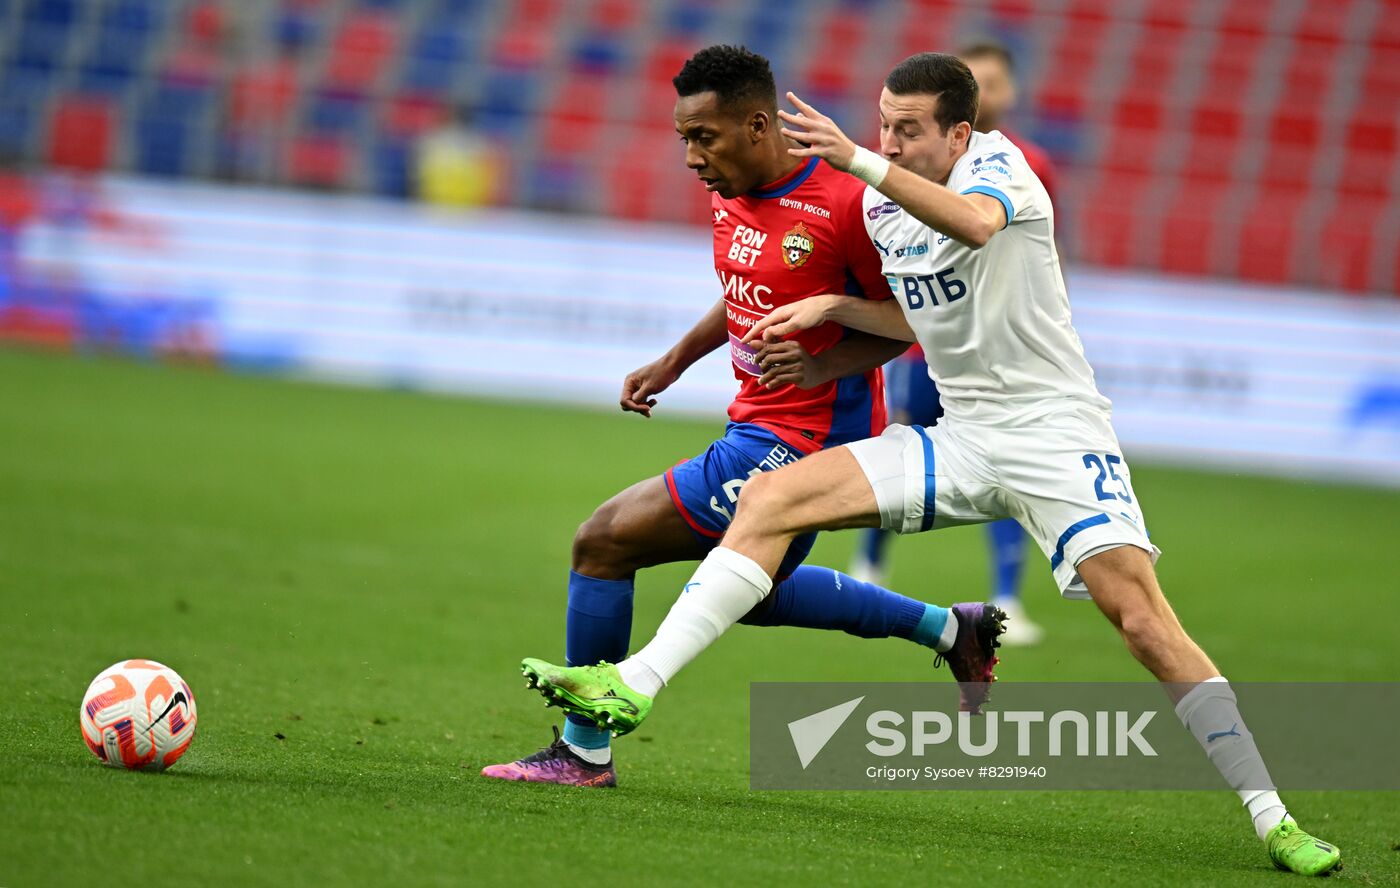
598 550
590 540
761 500
1149 626
1146 630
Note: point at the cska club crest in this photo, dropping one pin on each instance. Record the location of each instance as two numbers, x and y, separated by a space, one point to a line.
797 246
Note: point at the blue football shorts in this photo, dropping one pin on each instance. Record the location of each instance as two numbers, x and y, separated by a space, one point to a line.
910 393
705 489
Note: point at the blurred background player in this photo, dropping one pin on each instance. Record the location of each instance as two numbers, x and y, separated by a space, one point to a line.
913 397
455 165
784 229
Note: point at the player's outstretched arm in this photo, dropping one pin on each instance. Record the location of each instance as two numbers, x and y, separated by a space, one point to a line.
970 219
788 363
880 318
708 334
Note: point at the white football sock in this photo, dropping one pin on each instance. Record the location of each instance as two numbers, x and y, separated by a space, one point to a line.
600 756
639 676
1209 711
950 633
724 587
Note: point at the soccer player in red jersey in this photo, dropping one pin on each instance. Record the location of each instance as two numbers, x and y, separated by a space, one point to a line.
784 229
913 398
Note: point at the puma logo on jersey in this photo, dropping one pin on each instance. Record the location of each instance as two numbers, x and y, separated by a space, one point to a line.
900 253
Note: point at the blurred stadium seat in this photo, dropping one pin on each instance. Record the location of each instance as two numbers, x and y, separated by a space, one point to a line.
80 134
1256 138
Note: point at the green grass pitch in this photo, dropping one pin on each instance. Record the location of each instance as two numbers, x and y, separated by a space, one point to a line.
348 578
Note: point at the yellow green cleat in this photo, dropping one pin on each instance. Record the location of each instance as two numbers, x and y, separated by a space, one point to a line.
1293 850
594 692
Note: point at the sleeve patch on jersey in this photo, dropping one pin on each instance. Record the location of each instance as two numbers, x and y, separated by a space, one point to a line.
883 209
999 195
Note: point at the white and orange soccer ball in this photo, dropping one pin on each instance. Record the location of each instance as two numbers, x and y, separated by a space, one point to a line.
138 714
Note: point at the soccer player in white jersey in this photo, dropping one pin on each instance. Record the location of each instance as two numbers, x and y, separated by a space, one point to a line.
967 232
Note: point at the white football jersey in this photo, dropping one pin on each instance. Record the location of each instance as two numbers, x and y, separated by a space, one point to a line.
994 323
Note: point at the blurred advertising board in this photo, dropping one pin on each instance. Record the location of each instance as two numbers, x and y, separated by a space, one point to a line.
561 308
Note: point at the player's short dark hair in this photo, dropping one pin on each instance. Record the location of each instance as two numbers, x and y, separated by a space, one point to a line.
942 75
739 78
988 49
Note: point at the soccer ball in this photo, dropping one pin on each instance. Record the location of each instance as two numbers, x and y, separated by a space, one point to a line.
138 714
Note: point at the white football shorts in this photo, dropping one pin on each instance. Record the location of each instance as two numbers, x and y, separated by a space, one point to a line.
1061 475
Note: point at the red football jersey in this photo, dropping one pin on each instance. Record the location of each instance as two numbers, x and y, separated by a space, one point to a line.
797 237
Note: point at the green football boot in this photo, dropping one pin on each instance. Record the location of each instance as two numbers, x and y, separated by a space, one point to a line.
1293 850
594 692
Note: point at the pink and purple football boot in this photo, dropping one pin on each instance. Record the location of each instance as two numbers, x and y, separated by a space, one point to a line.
972 659
555 763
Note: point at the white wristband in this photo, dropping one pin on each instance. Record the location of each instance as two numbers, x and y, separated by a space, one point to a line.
869 167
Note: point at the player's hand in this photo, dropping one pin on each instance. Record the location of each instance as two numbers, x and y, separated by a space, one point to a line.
788 319
788 363
641 384
818 133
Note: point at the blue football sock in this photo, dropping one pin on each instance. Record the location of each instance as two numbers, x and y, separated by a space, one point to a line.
931 626
1008 543
822 598
598 626
872 545
586 735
